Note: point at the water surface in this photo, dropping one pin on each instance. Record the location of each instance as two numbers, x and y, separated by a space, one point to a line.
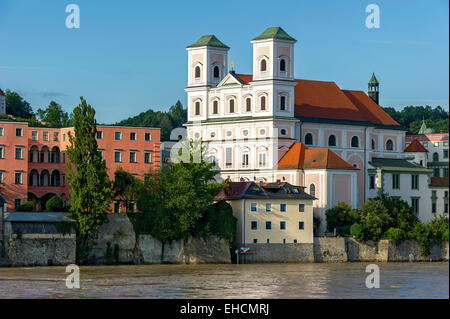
309 280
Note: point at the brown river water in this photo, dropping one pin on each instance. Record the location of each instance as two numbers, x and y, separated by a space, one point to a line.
314 280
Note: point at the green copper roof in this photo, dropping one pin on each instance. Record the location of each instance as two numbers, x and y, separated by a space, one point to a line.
424 129
274 33
396 164
210 41
373 79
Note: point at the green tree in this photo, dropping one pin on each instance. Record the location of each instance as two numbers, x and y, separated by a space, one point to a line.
341 217
54 204
54 115
86 174
17 106
179 196
126 188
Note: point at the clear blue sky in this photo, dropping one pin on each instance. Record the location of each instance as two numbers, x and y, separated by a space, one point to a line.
129 56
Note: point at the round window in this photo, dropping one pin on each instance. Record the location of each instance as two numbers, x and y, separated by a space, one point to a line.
262 132
245 133
197 135
283 131
213 134
229 133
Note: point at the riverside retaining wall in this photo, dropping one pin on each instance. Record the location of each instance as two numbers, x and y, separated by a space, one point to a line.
278 253
118 232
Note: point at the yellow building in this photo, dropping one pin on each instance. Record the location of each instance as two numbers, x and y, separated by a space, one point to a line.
270 213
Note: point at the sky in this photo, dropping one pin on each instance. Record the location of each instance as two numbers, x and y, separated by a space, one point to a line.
129 56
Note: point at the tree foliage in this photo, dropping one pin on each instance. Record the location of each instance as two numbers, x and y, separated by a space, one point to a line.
167 121
126 188
54 115
86 174
176 199
17 106
341 217
54 204
411 117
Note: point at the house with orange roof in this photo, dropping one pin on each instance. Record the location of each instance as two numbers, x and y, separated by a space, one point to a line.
271 126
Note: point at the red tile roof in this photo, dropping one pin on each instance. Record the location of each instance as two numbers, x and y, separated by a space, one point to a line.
439 181
299 156
325 100
1 92
415 146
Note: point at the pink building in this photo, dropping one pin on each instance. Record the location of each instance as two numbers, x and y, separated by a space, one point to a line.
33 159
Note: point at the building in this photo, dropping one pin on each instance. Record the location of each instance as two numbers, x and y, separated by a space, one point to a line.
2 102
250 121
33 159
277 213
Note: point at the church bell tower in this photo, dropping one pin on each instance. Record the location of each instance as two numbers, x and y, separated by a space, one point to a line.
374 89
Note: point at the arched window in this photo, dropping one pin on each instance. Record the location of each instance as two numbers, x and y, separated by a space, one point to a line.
309 139
231 105
373 144
263 103
331 140
283 65
197 72
389 145
435 157
215 107
248 104
355 141
197 108
216 72
312 190
263 65
282 103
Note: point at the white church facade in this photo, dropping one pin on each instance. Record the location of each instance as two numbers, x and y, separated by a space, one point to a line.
269 126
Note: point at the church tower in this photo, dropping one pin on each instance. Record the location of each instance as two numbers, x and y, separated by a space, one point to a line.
2 102
374 89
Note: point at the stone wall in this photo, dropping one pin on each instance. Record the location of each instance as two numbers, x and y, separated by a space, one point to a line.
365 252
278 253
330 249
40 250
118 230
410 251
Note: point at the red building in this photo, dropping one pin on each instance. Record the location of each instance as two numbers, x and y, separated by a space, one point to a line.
33 159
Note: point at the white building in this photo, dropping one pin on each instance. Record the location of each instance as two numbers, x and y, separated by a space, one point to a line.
255 122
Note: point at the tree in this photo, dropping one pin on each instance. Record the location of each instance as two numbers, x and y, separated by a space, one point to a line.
54 204
179 196
86 174
126 188
54 115
341 218
17 106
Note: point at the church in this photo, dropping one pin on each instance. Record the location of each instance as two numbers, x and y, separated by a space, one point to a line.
270 126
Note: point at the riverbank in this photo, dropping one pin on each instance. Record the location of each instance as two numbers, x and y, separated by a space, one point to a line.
118 243
288 280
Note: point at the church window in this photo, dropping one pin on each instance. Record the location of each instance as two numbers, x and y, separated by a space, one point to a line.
263 65
215 107
309 139
263 103
283 65
231 105
282 103
197 72
389 145
216 72
355 141
331 140
248 104
312 190
197 108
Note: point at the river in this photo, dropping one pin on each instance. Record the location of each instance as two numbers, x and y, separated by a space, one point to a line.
309 280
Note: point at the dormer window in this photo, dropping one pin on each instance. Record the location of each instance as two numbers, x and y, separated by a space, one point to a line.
282 65
263 65
197 72
216 72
